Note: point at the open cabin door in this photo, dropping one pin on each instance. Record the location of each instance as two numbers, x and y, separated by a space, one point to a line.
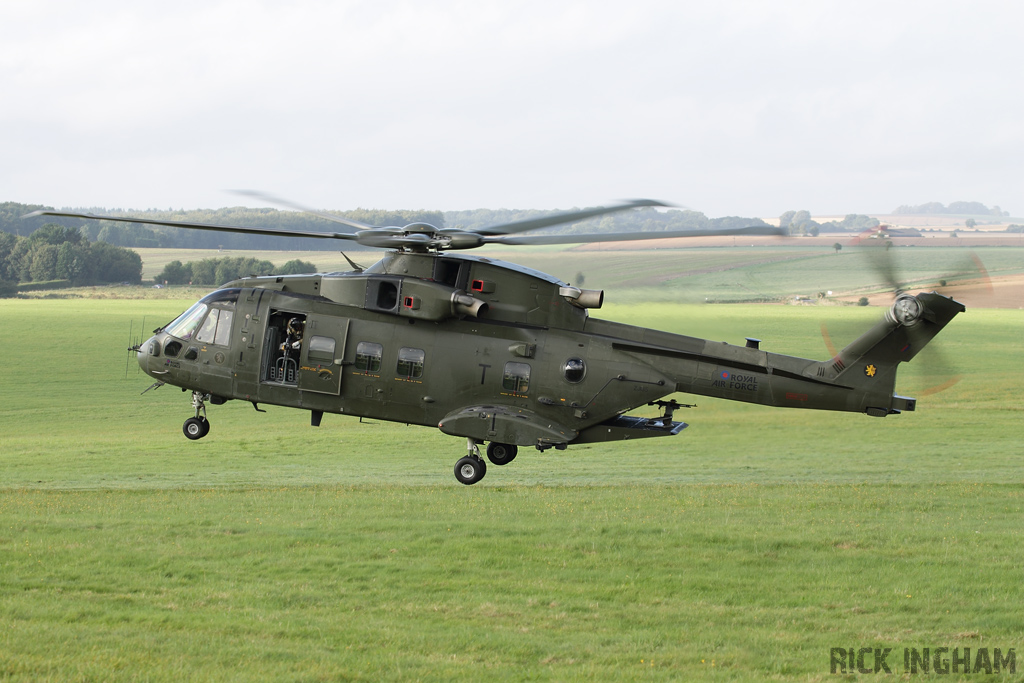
323 351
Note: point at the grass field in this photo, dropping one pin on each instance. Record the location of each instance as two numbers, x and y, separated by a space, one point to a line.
742 549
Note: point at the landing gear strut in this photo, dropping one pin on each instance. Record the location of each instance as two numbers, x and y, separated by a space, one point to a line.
472 468
197 427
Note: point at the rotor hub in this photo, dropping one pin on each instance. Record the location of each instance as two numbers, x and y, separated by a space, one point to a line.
906 310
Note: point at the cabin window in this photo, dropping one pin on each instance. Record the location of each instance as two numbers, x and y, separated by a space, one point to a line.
516 378
574 370
216 328
368 355
410 363
184 326
321 349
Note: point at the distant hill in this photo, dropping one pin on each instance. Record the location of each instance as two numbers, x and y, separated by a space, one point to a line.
959 208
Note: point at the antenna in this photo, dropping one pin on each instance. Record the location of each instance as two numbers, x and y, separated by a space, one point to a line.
134 344
355 266
128 356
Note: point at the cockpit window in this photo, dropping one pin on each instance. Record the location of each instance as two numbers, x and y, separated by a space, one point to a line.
224 328
216 328
184 326
209 328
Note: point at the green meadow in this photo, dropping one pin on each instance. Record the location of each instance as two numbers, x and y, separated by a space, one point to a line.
742 549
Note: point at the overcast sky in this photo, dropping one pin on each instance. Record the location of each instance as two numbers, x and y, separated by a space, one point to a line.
730 108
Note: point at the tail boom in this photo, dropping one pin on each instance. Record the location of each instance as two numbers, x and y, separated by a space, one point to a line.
860 378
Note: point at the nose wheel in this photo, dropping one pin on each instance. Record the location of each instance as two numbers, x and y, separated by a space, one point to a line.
472 468
197 427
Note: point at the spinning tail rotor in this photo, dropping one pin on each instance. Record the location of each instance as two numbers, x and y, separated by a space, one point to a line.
912 317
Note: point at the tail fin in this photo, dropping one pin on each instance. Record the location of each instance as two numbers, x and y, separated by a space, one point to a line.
870 361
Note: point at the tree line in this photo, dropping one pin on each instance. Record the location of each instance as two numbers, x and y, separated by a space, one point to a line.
801 223
217 271
57 252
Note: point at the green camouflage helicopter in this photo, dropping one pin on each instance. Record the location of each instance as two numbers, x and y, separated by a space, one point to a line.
492 351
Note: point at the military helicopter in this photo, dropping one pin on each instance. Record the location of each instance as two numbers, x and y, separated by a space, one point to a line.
491 351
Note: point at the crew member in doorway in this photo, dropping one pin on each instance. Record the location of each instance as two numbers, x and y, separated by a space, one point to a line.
293 340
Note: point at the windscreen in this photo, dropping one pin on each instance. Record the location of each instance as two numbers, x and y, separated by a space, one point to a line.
184 326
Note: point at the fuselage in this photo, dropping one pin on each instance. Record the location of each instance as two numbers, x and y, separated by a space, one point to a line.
453 341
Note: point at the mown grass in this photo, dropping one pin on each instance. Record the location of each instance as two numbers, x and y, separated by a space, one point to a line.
393 582
742 549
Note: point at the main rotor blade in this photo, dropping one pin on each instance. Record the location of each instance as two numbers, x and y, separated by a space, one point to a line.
560 218
380 239
272 199
201 226
629 236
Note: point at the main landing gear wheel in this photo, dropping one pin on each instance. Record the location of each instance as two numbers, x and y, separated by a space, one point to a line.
501 453
470 469
196 427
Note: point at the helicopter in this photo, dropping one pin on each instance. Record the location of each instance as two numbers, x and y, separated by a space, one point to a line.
491 351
